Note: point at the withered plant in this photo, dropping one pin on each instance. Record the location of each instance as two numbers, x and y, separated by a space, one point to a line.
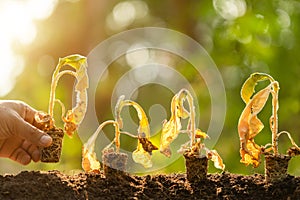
250 125
195 152
113 158
74 116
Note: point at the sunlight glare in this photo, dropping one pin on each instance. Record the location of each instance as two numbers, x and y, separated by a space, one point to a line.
230 9
17 21
137 55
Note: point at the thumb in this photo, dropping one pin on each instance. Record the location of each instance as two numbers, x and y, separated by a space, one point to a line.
28 132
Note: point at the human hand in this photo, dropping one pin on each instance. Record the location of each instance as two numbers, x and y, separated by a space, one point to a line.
19 139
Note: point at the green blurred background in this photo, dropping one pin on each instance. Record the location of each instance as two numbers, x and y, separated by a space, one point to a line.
241 36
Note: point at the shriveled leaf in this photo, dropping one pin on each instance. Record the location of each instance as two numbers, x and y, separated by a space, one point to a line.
142 157
249 126
90 162
171 128
214 156
253 155
201 134
181 111
42 121
147 145
248 87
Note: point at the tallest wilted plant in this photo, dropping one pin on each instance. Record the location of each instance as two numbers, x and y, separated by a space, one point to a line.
74 116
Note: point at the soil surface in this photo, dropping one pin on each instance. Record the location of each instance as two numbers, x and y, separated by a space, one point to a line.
56 185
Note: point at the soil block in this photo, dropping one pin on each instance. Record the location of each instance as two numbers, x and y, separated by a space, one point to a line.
52 153
114 164
276 167
196 167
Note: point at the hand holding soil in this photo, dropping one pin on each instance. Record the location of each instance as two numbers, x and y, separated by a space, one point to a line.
19 138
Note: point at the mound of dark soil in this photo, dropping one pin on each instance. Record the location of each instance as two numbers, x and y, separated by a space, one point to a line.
56 185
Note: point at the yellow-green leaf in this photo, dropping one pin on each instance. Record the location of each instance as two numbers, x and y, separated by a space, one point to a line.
248 87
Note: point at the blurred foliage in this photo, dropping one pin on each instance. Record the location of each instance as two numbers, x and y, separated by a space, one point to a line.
241 36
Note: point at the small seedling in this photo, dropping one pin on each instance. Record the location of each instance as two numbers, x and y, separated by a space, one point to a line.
196 161
73 117
250 125
115 159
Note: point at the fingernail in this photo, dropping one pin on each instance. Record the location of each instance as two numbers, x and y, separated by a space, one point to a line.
45 140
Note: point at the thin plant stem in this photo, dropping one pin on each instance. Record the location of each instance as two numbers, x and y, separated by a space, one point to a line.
63 109
290 137
54 82
129 134
274 118
91 141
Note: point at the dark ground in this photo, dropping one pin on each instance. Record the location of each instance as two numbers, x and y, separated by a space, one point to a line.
56 185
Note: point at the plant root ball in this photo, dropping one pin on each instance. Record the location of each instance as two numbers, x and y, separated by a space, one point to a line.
114 164
196 167
276 167
52 153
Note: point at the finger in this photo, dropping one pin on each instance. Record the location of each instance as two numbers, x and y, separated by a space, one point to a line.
28 132
23 109
21 156
28 114
36 155
32 150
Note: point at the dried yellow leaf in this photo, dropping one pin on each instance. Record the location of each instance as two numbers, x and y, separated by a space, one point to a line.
90 162
42 121
214 156
171 128
201 134
147 145
253 155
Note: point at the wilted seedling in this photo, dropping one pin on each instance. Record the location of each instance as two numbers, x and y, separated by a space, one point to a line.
73 117
250 125
143 152
115 159
112 160
193 149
